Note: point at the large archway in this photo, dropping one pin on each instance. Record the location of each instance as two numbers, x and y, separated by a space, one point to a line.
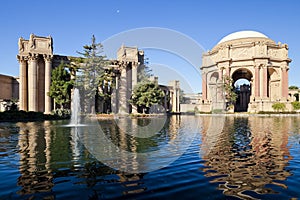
254 57
242 83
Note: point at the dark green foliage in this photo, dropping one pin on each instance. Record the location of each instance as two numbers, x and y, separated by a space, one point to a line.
23 116
147 94
61 85
293 87
106 86
230 94
296 105
144 73
181 96
91 67
278 106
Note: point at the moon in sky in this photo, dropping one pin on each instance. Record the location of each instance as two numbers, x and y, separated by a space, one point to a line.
118 11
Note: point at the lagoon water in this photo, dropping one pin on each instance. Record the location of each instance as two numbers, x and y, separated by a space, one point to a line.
189 157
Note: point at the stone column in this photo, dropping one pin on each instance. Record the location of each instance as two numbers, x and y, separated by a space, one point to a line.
32 84
265 81
134 74
220 74
178 100
48 67
257 82
204 86
228 71
134 82
284 83
23 84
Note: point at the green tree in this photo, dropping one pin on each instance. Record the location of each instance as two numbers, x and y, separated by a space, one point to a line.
92 66
144 72
181 96
61 85
230 94
293 87
106 86
147 94
278 106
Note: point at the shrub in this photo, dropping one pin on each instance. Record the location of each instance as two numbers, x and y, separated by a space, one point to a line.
296 105
278 107
62 113
217 111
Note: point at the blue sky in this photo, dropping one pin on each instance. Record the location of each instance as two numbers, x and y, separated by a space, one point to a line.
72 23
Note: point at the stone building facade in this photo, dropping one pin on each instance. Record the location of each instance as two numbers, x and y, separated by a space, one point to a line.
9 91
246 55
37 60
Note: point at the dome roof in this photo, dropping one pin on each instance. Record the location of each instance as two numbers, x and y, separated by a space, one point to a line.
242 34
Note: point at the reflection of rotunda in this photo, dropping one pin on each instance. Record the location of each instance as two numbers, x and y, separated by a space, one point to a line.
247 55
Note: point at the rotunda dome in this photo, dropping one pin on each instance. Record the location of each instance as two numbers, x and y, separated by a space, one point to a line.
242 34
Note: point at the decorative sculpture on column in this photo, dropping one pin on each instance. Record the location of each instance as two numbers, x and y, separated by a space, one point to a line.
31 41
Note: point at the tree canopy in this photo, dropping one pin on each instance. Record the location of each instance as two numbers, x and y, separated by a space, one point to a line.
61 84
230 94
91 67
147 94
293 87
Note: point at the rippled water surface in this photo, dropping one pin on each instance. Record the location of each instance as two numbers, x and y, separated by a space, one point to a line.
187 157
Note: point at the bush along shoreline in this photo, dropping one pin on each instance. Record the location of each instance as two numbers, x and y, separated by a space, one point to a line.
24 116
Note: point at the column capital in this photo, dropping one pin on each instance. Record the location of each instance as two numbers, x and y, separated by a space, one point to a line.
22 58
48 58
285 67
123 64
135 64
33 56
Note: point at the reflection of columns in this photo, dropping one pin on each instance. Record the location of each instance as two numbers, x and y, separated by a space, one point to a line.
265 81
204 86
256 80
48 66
115 95
23 85
32 84
48 146
123 91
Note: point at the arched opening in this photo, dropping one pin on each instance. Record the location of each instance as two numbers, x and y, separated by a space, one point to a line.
242 85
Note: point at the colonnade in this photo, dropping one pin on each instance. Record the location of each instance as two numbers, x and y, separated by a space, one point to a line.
34 84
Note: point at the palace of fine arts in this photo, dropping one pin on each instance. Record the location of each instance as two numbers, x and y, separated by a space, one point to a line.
246 55
149 100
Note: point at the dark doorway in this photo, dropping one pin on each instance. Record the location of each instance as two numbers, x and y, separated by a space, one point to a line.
242 86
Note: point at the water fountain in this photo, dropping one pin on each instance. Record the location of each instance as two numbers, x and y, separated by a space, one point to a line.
75 108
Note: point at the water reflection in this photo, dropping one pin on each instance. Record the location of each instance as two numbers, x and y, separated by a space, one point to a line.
122 146
34 150
249 156
244 157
